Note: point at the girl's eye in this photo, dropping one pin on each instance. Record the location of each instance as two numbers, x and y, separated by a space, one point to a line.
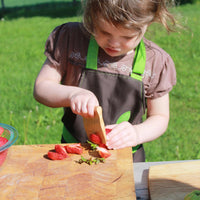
127 38
105 33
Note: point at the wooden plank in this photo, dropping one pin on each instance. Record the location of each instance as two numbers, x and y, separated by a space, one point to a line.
95 125
28 174
141 175
174 181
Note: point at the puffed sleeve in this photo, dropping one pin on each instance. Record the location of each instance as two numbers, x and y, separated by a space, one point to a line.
163 78
56 47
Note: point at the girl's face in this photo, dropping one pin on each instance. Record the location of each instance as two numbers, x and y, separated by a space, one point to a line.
116 40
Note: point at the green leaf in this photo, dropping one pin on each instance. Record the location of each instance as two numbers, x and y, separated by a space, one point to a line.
83 159
92 145
97 161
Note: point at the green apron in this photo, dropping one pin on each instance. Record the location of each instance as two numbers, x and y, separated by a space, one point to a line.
121 97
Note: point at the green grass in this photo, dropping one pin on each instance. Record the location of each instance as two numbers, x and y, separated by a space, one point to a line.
182 139
23 32
22 41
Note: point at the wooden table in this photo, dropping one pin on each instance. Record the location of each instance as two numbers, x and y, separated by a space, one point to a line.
29 162
141 172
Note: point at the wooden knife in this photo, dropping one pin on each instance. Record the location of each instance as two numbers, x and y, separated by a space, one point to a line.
95 124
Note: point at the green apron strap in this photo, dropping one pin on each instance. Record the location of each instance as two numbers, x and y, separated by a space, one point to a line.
92 54
138 69
139 61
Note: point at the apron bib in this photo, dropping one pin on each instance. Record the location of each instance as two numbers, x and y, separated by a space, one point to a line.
121 97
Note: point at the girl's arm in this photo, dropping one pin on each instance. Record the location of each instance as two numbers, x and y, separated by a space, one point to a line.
126 134
50 92
157 120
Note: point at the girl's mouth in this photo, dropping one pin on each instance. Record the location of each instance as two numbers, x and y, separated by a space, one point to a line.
111 51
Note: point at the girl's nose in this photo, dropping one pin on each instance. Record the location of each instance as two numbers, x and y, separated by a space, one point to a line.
113 42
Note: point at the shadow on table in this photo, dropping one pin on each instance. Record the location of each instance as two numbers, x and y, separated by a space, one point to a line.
170 189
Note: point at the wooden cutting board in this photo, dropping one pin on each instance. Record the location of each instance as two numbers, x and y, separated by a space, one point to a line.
28 174
174 181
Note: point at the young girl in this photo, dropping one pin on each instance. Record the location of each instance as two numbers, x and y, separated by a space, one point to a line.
107 61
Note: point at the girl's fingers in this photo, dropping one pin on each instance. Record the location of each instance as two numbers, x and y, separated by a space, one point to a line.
84 109
122 135
111 126
117 129
84 105
92 103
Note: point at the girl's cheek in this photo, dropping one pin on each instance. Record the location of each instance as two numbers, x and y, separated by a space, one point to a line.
100 42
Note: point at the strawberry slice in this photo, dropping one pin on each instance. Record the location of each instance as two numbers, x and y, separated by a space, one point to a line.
61 150
103 145
56 156
74 148
95 139
1 130
104 153
3 155
3 141
108 130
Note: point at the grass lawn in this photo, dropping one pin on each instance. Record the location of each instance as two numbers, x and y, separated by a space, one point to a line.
182 139
23 32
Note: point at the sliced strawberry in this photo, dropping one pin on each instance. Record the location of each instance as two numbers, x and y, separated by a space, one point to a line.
108 130
74 148
56 156
3 141
1 130
3 155
104 153
95 139
103 145
61 150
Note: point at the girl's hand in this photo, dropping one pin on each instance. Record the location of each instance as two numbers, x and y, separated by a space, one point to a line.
122 135
83 102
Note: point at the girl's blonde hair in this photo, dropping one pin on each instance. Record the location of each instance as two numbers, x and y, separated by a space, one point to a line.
130 14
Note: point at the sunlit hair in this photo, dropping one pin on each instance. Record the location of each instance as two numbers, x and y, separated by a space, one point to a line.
130 14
